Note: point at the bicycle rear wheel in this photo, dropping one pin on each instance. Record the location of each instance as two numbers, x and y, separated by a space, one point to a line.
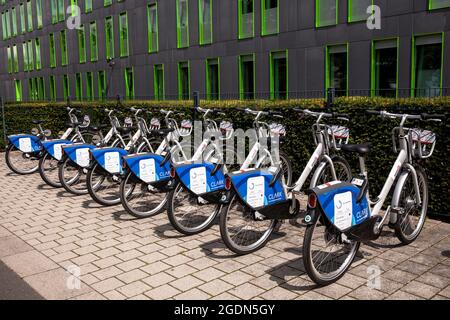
72 178
327 253
19 162
240 231
48 170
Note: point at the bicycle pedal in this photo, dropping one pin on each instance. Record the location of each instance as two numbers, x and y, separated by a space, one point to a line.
201 201
258 216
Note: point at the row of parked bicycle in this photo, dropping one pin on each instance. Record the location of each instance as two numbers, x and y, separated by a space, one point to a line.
148 169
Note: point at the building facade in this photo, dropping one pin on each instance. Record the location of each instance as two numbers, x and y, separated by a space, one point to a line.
224 49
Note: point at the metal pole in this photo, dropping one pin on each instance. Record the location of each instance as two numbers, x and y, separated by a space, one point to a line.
330 98
3 120
196 97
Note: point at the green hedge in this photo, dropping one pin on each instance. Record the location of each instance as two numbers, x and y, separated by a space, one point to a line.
299 144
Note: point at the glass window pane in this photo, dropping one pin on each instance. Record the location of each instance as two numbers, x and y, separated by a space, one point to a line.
337 71
182 24
159 82
183 81
385 72
123 29
212 79
357 9
270 17
428 69
326 12
247 77
438 4
109 34
278 75
246 16
205 23
93 41
152 28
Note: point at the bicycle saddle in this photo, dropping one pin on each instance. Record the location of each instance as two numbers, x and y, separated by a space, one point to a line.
361 149
125 130
162 132
38 121
98 127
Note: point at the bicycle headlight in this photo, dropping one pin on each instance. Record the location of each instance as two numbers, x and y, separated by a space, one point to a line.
35 131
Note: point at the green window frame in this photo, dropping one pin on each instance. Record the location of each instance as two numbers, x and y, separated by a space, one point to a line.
61 11
129 83
423 68
158 82
123 32
54 11
32 89
39 13
247 78
357 10
109 37
63 43
53 94
212 79
205 23
30 55
37 49
381 80
52 50
326 13
279 87
90 94
246 19
14 21
93 41
23 27
270 17
81 35
18 89
88 6
29 16
78 87
152 27
182 23
438 4
8 24
4 27
334 63
184 80
101 82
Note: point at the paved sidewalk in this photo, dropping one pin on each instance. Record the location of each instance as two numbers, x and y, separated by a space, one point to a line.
44 231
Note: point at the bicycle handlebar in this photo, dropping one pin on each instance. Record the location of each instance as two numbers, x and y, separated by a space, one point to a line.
423 116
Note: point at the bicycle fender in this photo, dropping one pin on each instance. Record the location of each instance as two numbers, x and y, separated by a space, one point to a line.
26 143
110 159
149 167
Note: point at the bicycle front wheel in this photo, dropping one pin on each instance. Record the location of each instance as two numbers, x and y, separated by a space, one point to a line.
412 215
103 188
324 173
241 232
327 253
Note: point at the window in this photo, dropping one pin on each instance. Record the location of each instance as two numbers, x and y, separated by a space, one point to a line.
270 14
107 3
158 79
52 88
90 86
247 76
14 21
384 68
212 79
18 87
129 83
30 16
10 62
23 27
32 89
184 88
109 35
93 41
81 44
37 48
15 59
88 5
205 21
63 43
54 10
66 87
357 10
152 17
427 61
123 29
30 55
51 41
78 87
278 75
182 24
438 4
337 69
61 11
41 88
39 13
326 13
7 24
246 11
26 60
4 26
101 85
